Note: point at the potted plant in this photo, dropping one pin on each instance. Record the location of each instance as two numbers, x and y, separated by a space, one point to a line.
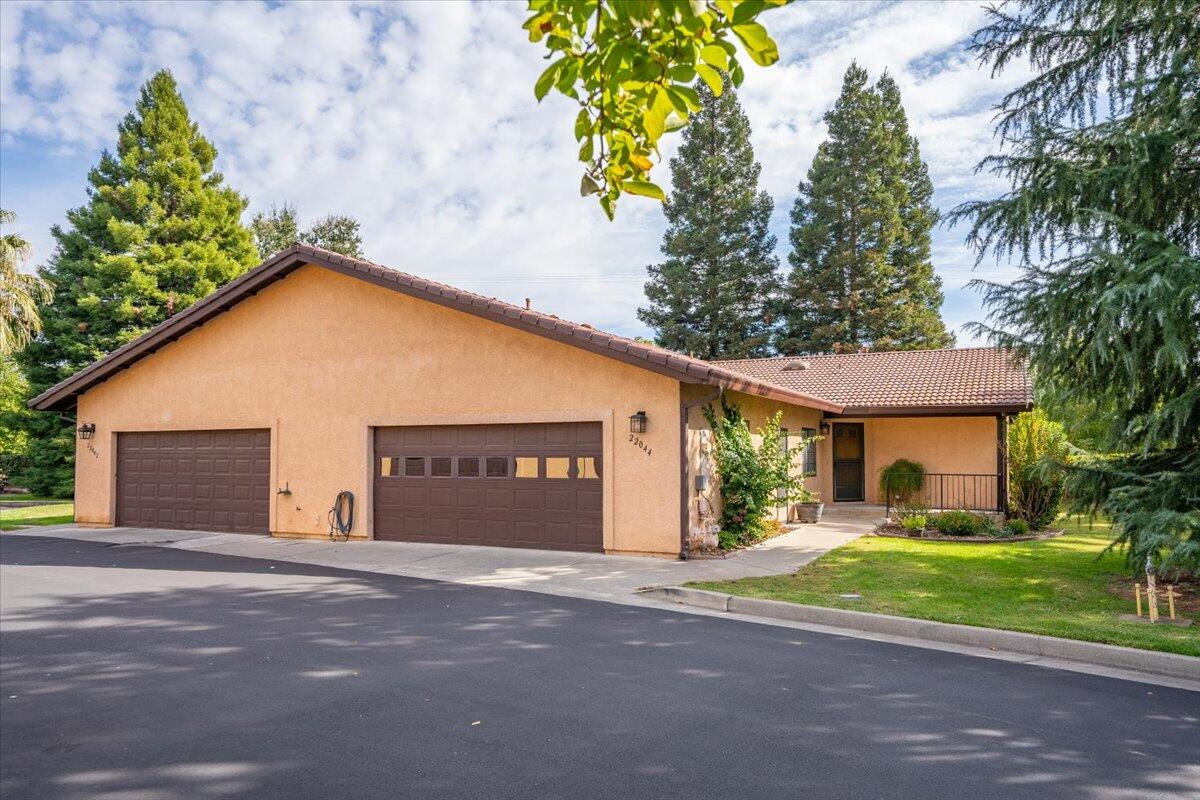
808 505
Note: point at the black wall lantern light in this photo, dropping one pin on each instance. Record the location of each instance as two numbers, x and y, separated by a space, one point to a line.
637 422
824 428
86 430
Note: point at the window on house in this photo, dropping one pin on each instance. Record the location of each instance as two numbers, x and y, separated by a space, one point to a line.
389 467
468 467
439 467
810 452
587 468
414 467
497 467
558 467
527 467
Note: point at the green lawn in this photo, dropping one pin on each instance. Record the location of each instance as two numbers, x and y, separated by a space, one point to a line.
55 512
1056 587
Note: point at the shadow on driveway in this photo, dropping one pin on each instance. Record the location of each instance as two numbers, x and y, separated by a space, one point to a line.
143 672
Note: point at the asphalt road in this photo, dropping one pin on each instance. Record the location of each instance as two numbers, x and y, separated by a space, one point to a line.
140 672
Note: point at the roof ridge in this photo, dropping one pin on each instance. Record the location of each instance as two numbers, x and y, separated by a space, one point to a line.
858 353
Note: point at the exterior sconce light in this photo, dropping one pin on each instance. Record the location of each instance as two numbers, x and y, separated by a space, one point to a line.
637 422
86 430
824 428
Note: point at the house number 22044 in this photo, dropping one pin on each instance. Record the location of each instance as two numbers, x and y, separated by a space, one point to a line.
639 443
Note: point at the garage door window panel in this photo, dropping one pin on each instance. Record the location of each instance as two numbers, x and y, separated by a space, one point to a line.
509 485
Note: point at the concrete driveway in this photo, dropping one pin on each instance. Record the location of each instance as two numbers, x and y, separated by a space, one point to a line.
588 575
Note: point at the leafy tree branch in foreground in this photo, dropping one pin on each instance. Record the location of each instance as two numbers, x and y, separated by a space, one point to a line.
630 66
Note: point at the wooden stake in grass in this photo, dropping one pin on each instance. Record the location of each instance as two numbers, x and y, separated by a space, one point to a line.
1137 597
1151 591
1171 600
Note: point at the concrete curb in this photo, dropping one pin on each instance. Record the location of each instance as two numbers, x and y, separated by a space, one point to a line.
1105 655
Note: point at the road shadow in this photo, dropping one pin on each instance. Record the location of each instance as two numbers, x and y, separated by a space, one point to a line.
141 672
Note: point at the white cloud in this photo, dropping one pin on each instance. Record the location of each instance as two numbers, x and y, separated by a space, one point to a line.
420 121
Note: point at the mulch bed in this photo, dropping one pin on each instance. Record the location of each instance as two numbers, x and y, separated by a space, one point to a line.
723 553
896 532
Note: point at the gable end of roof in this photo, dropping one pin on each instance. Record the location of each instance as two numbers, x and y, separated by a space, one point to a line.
675 365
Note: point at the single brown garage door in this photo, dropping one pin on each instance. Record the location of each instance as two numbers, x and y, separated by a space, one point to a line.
195 480
506 485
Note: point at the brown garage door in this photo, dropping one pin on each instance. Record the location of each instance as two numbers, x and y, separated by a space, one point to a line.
507 485
197 480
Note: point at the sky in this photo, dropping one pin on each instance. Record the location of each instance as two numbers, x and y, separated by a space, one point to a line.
419 120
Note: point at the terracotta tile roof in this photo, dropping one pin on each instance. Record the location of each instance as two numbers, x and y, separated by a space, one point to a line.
657 359
975 378
966 378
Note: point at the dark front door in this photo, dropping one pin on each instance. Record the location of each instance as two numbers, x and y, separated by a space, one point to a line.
528 485
848 471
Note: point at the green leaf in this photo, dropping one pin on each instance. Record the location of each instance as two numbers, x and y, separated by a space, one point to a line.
737 75
747 10
715 55
546 80
712 78
583 125
645 189
655 118
685 96
758 42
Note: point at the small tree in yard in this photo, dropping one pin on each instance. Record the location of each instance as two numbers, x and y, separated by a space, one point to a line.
1036 446
752 476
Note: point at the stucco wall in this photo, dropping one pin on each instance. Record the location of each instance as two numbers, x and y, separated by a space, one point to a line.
320 357
940 444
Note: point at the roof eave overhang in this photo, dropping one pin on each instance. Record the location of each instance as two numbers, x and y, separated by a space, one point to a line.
62 396
978 410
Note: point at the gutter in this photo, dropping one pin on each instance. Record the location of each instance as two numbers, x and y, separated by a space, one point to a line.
684 489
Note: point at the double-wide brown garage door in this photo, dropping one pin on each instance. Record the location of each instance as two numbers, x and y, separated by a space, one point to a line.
528 485
197 480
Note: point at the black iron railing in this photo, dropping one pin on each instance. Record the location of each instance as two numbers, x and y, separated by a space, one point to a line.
944 491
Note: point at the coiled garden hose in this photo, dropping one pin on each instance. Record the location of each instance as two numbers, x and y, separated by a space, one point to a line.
341 516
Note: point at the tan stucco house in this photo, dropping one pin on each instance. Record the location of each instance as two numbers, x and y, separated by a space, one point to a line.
457 418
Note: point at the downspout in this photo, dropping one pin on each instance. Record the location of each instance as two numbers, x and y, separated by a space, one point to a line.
684 487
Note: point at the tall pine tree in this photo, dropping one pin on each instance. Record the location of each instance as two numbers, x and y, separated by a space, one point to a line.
279 229
861 273
160 230
1102 151
713 293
